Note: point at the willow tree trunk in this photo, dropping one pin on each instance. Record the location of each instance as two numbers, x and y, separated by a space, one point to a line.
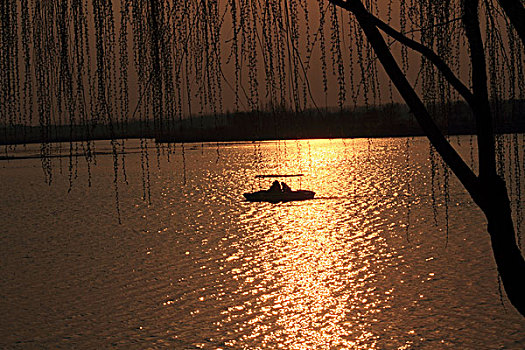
488 190
492 195
495 204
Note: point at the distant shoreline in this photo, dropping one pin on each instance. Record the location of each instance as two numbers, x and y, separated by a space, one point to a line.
219 140
393 120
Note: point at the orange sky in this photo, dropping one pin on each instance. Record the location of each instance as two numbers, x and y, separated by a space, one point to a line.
364 79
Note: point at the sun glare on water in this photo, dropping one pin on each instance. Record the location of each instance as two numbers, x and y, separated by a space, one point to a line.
309 269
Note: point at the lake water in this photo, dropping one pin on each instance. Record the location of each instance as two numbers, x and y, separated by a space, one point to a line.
365 265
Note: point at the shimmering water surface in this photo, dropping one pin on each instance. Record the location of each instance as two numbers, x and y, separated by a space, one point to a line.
201 268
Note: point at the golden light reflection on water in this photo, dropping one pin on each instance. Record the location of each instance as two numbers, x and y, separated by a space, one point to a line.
312 274
338 271
201 268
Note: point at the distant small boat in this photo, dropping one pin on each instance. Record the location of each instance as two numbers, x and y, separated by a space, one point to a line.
277 194
275 197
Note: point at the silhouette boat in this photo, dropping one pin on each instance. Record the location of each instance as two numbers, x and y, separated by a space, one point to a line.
275 197
277 194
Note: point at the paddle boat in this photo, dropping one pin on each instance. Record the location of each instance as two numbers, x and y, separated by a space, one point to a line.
279 192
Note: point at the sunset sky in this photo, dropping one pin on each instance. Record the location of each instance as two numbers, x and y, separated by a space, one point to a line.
215 57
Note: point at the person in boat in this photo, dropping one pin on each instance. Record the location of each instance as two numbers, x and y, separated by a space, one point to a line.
285 187
275 187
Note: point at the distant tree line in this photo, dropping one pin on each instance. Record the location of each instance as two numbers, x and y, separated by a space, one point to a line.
379 121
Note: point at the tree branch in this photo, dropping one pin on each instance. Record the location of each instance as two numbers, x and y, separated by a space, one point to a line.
515 11
423 50
481 107
430 55
449 154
